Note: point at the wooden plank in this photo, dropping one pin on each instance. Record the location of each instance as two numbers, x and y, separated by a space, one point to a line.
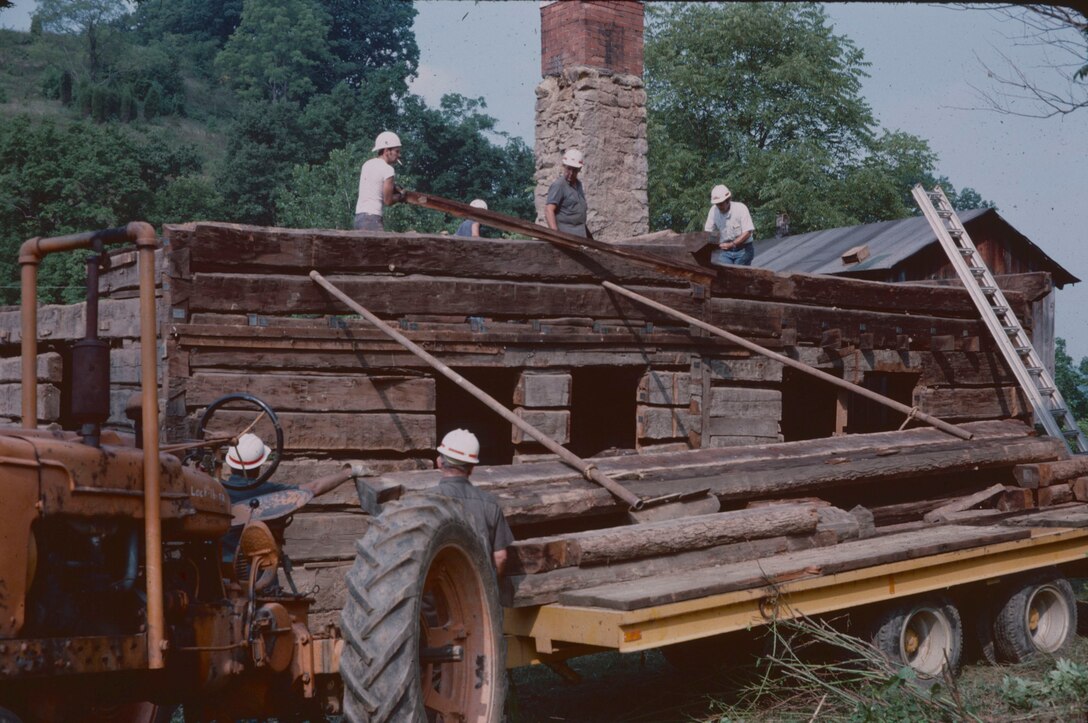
1070 515
50 368
980 403
633 542
743 426
335 431
546 587
964 503
1080 489
1046 473
745 402
665 589
291 392
535 389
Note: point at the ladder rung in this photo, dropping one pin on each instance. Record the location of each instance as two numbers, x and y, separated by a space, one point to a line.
964 251
1059 411
1000 310
1024 350
1036 371
944 213
1046 390
988 290
978 271
1012 330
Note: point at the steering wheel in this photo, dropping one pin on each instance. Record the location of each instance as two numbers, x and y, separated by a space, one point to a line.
273 459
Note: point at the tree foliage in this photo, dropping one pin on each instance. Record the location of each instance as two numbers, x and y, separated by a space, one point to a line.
276 51
85 17
766 98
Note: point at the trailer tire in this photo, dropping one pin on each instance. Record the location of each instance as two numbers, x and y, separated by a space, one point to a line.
925 633
1038 615
422 580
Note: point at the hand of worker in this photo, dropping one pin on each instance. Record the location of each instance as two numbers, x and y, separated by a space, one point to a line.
398 194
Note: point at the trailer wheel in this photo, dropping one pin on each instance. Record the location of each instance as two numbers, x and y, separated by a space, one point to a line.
1038 615
422 623
925 634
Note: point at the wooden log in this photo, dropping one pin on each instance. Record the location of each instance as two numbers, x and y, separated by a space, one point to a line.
290 392
555 423
766 571
50 368
664 388
964 503
756 369
1080 489
1014 499
1072 514
543 588
971 403
67 322
48 402
1044 474
1054 494
537 389
662 422
334 431
605 547
710 462
326 536
745 402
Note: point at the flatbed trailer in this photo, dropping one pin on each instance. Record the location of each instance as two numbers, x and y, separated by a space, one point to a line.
973 578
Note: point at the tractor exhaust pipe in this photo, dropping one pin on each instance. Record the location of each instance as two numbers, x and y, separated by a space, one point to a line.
31 254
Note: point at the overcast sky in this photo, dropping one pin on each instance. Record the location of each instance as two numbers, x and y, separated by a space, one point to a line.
923 64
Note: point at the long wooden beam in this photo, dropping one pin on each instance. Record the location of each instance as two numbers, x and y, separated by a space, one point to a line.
513 224
793 363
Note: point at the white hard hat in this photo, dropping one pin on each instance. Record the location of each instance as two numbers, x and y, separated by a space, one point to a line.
461 445
573 158
386 139
479 203
249 453
720 193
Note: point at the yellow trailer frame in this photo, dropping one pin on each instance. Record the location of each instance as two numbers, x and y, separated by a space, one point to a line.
553 633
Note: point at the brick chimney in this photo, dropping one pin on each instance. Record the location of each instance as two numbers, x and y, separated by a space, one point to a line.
592 98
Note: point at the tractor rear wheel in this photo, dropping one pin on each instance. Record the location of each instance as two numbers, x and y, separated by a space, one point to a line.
422 623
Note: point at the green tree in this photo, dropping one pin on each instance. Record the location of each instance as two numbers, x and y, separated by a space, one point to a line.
82 17
1072 382
767 99
366 36
277 50
57 179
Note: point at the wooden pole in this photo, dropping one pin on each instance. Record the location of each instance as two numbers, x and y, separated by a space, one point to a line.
590 471
793 363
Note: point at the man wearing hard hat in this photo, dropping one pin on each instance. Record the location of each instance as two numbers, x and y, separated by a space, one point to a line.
469 227
733 226
565 207
376 187
458 454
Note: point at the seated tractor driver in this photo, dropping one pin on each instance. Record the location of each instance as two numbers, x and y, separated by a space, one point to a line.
270 502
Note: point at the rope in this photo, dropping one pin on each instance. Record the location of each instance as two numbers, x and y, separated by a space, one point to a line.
910 415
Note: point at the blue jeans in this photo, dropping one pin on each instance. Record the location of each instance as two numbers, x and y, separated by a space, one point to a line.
368 222
734 257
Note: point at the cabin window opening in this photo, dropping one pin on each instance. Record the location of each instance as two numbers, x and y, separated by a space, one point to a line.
603 409
809 406
865 415
455 408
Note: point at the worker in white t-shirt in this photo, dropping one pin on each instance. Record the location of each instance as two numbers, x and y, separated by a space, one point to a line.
376 187
731 224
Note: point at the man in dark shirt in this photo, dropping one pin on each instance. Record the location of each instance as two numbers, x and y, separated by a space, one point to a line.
470 228
458 454
565 208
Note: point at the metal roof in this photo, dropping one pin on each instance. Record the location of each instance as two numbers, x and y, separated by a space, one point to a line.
889 243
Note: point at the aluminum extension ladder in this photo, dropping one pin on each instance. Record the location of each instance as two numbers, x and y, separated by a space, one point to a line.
1050 408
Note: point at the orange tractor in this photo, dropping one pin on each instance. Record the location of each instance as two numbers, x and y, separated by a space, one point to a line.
125 592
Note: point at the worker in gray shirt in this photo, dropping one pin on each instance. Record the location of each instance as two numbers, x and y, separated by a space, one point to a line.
458 454
565 207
